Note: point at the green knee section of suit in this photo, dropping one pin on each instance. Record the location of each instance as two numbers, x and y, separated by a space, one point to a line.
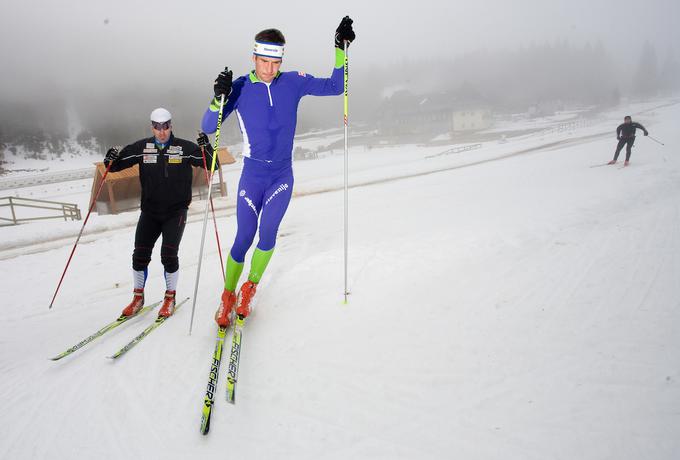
259 264
234 270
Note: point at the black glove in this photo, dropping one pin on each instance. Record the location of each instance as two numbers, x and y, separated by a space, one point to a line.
344 32
223 83
111 155
203 141
646 133
618 138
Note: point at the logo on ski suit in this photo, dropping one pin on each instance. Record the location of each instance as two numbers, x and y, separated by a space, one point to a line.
282 188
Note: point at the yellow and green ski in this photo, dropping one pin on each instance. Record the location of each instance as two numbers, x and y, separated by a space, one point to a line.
160 320
112 325
209 399
234 358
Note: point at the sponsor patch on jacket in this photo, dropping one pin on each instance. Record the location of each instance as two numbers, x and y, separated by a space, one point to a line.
174 159
175 149
149 145
302 74
150 158
150 151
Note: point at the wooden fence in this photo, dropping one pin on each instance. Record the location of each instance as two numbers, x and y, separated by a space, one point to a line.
61 210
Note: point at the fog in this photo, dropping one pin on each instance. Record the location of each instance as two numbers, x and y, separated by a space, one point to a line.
108 64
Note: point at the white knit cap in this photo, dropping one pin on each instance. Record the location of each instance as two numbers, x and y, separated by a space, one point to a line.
160 115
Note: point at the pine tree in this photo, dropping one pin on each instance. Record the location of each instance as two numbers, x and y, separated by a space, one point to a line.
669 77
646 79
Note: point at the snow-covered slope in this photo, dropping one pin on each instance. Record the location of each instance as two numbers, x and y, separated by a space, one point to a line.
523 308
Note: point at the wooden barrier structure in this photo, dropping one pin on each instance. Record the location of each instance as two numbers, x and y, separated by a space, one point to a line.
63 210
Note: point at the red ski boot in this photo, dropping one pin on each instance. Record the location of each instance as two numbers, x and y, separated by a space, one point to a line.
168 307
136 304
613 162
224 312
245 297
625 163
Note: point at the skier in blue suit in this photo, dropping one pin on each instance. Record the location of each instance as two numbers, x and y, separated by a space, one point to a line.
265 102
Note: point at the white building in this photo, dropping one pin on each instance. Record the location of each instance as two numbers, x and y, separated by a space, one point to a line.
471 120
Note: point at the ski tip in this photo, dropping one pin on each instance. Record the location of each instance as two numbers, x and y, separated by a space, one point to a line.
205 426
231 394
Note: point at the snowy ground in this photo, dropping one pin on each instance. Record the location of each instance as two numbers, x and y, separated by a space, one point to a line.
517 304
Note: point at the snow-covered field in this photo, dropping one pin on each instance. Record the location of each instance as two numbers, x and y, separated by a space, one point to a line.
507 303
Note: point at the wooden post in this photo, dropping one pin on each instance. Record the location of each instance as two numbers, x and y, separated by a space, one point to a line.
11 206
95 182
112 199
223 186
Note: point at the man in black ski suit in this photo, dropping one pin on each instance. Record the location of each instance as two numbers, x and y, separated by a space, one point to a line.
165 173
625 133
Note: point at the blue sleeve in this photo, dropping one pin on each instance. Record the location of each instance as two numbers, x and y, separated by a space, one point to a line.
209 122
332 86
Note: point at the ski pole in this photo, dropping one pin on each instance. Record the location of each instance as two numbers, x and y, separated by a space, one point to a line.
655 140
346 84
209 178
205 214
94 201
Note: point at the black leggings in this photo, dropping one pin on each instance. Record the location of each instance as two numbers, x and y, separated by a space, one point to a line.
629 145
149 228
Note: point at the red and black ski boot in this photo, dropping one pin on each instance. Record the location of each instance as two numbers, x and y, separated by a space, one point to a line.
225 311
136 304
245 297
168 307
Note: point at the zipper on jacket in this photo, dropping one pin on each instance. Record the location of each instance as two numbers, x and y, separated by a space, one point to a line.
269 91
165 161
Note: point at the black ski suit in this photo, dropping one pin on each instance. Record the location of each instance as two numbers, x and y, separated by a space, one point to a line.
625 133
165 174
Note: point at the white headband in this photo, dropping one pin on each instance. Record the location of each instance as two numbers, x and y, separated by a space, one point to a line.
271 50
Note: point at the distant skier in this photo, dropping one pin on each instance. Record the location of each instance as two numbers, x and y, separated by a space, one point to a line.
266 102
625 133
165 173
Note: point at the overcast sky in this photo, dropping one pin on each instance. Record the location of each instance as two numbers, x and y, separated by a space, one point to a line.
95 47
